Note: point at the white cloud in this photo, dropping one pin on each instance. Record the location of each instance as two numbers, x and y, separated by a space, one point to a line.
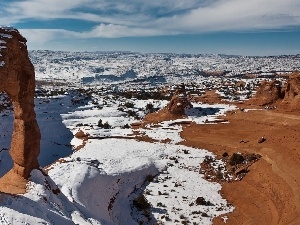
43 8
40 36
147 18
236 15
112 30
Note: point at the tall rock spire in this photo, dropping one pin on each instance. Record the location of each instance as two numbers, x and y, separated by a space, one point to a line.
17 79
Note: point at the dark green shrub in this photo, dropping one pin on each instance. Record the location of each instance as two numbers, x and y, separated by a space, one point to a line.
126 126
235 159
131 113
149 106
141 203
106 125
129 105
100 124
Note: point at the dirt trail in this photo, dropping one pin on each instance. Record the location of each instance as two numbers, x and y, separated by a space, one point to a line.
269 194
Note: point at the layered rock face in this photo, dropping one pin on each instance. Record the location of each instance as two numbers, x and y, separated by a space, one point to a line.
268 93
274 92
17 79
292 91
179 102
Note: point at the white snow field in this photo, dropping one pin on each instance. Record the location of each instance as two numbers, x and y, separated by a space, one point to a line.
100 183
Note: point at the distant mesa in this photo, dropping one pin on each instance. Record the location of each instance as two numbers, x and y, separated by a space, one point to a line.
17 79
274 92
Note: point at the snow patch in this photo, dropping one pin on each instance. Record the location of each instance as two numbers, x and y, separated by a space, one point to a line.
105 176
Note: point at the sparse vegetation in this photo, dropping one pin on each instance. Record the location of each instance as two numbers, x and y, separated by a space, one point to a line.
141 203
105 125
235 159
129 105
202 201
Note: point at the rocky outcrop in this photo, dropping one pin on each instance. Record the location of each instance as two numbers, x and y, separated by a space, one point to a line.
17 79
292 91
175 109
273 92
179 102
268 93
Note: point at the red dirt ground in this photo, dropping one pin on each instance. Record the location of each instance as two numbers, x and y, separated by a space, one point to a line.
270 192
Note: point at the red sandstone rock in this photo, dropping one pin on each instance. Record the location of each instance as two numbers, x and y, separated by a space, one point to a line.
292 92
81 135
17 79
268 93
179 102
273 93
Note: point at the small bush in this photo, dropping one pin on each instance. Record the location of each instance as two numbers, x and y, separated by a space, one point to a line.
204 214
127 95
129 105
202 201
236 158
253 157
159 204
149 178
131 113
141 203
106 125
182 216
100 124
126 126
149 106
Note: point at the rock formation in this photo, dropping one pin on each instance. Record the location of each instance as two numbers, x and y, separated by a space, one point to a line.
179 102
274 92
292 91
17 79
175 109
268 93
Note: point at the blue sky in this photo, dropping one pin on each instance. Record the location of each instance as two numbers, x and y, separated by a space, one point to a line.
256 27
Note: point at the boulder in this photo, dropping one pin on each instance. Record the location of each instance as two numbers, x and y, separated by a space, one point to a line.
179 102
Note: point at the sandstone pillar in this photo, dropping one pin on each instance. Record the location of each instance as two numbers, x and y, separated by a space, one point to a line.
17 79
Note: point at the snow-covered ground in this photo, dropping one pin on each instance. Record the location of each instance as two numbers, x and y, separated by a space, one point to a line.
113 178
119 67
101 182
107 175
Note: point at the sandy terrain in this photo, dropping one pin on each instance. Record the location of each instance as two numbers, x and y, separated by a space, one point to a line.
269 194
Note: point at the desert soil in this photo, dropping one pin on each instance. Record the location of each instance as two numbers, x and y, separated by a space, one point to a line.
269 194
